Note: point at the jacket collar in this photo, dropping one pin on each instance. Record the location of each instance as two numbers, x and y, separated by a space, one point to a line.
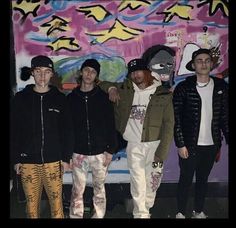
83 94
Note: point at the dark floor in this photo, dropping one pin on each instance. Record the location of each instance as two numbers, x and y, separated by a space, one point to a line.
119 204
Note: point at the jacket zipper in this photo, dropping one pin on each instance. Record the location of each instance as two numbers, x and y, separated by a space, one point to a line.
42 126
87 122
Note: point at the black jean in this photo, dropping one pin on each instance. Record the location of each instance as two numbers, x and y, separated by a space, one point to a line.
200 163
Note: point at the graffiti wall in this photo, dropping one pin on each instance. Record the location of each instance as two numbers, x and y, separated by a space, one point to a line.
115 32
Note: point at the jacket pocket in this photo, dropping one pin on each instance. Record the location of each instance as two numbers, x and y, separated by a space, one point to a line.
152 133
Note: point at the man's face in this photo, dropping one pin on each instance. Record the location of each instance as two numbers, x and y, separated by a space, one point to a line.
162 67
137 77
202 64
42 76
88 75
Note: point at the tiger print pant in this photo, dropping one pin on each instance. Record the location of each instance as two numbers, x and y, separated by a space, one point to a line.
36 176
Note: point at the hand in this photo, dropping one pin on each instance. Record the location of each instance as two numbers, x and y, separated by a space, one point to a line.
183 152
107 158
171 89
156 75
114 95
71 164
65 167
17 168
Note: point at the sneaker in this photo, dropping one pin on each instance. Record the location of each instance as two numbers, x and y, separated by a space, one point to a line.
180 216
200 215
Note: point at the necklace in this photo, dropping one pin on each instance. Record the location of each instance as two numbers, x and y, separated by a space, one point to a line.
202 86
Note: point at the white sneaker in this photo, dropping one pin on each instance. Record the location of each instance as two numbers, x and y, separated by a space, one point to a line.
180 216
200 215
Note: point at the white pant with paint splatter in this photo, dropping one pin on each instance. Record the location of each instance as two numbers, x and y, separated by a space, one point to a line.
144 180
81 165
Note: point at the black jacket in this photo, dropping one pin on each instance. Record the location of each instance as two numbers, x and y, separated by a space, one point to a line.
93 121
41 131
187 109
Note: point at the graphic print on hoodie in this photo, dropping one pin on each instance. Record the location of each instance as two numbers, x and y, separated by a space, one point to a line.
133 131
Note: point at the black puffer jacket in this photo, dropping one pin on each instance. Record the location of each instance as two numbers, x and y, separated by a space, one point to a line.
41 130
187 109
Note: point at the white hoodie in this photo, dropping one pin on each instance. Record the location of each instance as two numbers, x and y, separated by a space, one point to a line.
133 131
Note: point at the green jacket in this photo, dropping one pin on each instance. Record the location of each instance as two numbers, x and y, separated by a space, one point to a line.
159 118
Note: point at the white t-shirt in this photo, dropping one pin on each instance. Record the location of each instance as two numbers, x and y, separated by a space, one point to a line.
206 94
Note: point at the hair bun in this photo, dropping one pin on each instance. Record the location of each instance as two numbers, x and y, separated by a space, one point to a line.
25 73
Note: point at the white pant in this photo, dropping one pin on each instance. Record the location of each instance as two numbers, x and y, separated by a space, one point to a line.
81 165
144 180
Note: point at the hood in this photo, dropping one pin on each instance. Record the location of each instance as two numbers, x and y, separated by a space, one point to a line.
77 91
154 85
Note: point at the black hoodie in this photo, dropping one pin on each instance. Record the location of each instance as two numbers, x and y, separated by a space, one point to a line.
93 121
41 129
